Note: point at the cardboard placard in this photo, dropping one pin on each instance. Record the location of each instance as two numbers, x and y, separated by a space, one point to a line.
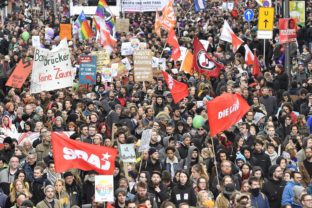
122 25
143 65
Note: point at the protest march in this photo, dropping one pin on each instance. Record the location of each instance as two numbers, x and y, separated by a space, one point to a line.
156 104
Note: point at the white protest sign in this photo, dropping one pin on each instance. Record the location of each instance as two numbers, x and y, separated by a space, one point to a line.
143 5
126 49
107 74
127 153
51 69
127 64
104 188
35 41
145 140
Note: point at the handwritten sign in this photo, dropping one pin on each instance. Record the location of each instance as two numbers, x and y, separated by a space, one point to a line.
104 188
102 59
143 65
52 69
122 25
127 153
145 140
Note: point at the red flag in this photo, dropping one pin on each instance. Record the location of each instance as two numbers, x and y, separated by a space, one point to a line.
173 41
74 154
203 62
178 90
256 65
224 111
236 42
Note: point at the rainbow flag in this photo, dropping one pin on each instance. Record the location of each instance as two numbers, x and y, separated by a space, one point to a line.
104 12
85 28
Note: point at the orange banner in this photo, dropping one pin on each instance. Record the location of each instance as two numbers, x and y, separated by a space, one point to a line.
20 74
66 31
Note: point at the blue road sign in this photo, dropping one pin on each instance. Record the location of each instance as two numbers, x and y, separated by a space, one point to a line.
248 15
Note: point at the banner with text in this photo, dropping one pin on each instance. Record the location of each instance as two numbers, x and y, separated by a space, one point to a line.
52 69
143 5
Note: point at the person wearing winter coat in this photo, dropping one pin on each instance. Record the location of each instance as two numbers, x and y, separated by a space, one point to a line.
61 194
262 160
288 193
183 191
73 189
8 150
39 183
88 187
273 188
49 201
271 153
7 128
193 157
258 199
157 188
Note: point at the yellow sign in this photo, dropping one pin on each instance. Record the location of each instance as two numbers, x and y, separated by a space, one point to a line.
266 18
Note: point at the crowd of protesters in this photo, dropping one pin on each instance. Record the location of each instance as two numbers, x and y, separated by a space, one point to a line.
265 160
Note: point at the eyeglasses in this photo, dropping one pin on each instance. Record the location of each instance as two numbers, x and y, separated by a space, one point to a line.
201 129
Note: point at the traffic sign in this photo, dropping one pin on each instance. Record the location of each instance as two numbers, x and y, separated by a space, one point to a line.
266 18
248 15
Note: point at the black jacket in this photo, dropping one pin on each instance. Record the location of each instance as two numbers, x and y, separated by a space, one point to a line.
37 189
262 160
183 193
74 192
159 196
274 191
87 191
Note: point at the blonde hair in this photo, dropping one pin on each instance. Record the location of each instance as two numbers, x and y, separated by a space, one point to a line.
13 194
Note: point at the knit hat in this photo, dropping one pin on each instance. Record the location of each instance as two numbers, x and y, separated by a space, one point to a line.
258 116
157 172
68 173
48 187
186 135
151 151
298 191
120 190
7 140
239 156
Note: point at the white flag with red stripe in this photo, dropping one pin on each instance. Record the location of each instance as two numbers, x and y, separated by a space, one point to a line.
228 35
249 57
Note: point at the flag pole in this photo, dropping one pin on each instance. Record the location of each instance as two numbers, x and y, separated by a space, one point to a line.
215 160
163 49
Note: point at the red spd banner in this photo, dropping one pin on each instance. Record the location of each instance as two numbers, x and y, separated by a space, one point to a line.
74 154
287 30
224 111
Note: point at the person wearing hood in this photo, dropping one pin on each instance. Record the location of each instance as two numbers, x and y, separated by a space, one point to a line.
88 187
273 188
262 159
7 128
258 199
193 157
183 191
185 145
288 193
8 150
